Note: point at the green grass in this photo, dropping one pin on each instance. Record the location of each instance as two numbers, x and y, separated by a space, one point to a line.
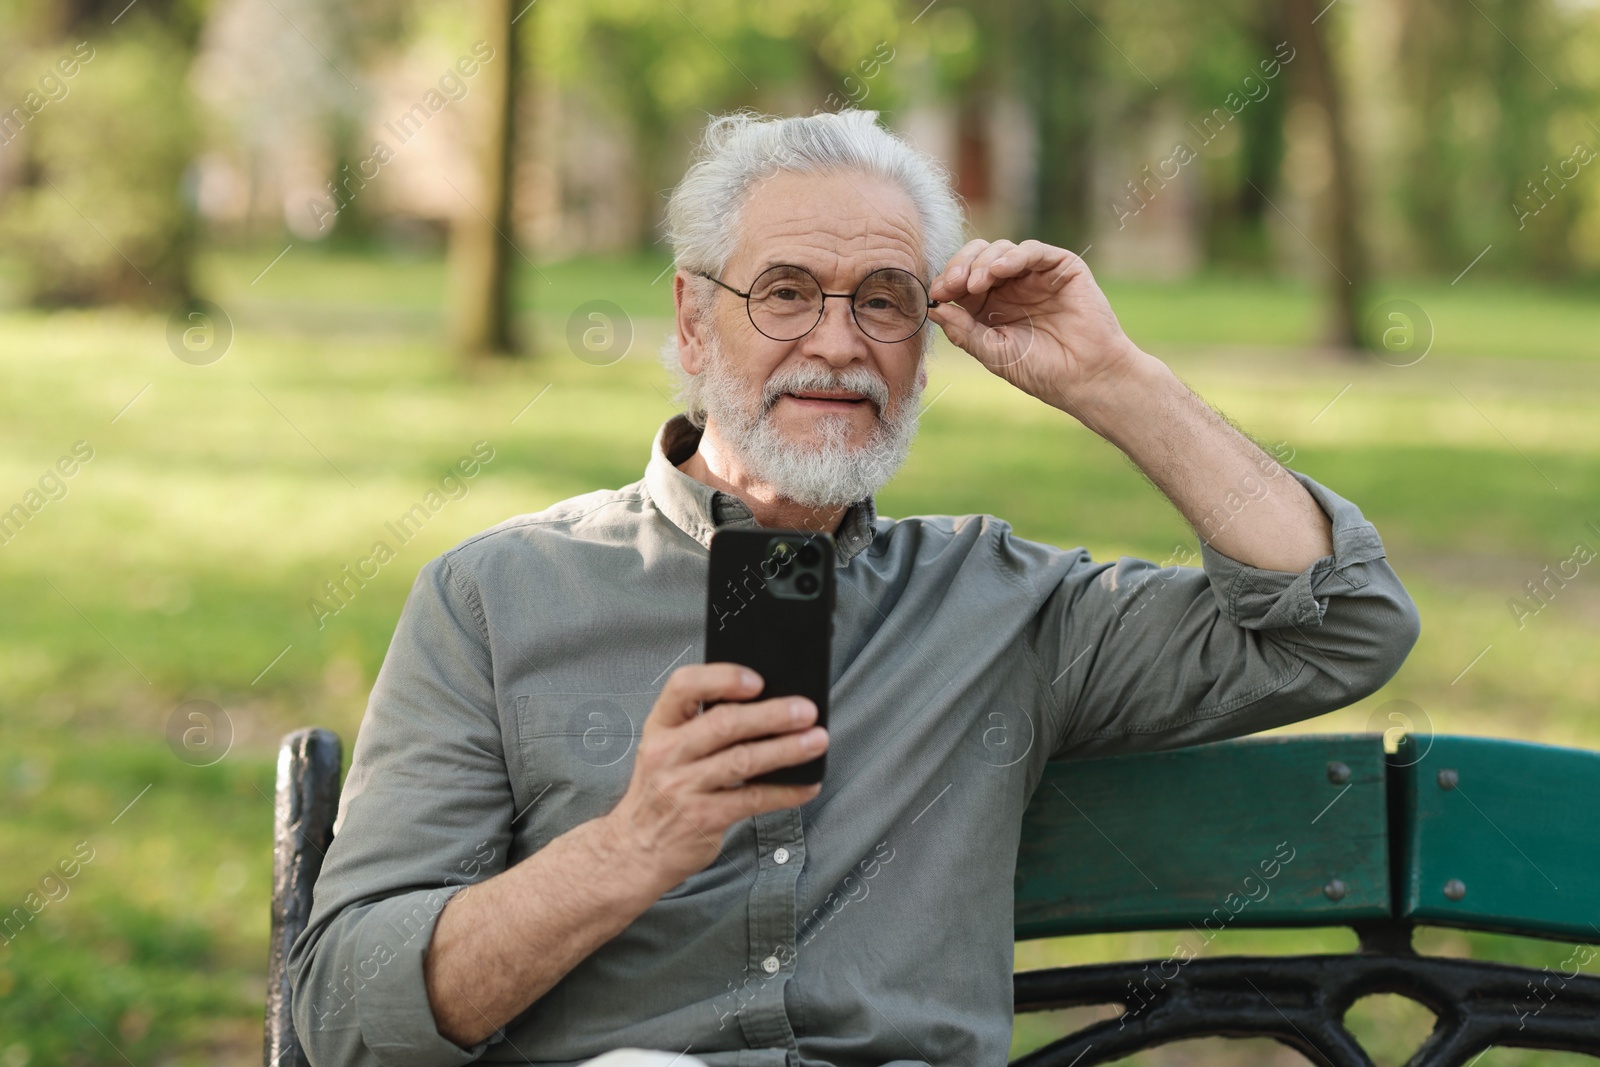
180 562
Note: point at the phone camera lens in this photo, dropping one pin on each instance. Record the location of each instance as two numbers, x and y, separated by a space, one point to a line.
782 559
806 584
809 556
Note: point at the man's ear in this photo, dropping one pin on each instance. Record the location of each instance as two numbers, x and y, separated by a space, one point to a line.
689 330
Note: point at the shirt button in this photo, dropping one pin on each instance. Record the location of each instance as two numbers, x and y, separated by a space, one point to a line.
770 965
780 855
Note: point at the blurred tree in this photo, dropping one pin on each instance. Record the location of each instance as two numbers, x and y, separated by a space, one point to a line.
1224 53
370 33
1433 157
666 67
259 89
1489 120
480 237
1058 63
1318 80
101 215
288 109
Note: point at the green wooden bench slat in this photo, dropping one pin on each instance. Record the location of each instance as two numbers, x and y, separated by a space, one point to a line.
1187 837
1520 832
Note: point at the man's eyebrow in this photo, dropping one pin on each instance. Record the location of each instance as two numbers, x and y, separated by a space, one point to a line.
769 264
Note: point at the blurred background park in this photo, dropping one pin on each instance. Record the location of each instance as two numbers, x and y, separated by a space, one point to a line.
268 268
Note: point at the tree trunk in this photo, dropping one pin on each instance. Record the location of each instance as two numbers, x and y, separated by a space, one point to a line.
1054 46
1313 69
1238 218
481 235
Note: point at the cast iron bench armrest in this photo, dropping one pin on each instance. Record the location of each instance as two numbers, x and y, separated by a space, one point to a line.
303 813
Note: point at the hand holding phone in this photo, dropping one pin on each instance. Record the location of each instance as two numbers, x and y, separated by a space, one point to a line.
692 772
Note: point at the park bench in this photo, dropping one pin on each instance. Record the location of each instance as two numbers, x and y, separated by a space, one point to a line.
1283 831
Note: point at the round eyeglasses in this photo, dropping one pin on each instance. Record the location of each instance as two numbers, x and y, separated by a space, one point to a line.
786 302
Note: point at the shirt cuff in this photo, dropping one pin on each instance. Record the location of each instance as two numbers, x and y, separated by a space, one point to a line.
1258 599
392 1006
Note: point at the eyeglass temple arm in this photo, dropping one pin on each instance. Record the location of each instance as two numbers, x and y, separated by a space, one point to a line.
725 285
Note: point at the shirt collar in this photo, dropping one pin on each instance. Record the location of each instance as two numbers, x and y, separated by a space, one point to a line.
699 509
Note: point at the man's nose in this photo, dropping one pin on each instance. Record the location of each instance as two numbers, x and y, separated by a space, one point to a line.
836 338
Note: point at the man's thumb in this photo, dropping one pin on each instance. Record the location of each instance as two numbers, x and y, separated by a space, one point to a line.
957 323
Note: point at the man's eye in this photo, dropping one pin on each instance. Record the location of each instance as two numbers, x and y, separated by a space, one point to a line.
877 303
786 294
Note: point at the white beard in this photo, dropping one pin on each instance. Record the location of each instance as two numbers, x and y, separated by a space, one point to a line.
824 471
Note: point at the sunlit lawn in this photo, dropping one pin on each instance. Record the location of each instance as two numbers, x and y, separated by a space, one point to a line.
180 562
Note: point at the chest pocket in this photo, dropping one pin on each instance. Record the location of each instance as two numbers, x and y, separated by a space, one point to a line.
578 751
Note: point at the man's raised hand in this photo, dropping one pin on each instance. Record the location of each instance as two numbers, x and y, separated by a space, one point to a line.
1033 314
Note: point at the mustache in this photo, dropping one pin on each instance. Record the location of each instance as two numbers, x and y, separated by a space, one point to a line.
808 377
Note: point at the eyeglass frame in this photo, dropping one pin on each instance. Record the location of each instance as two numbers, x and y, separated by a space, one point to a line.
823 310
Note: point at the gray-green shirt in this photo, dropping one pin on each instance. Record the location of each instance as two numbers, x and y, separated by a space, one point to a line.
873 924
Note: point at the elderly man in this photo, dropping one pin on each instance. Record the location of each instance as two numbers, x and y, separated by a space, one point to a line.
549 845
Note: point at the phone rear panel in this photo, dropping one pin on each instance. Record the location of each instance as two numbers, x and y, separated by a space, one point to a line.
764 611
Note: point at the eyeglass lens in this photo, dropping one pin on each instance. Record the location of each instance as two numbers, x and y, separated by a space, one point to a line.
786 302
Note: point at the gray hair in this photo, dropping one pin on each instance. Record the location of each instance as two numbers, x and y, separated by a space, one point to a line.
705 211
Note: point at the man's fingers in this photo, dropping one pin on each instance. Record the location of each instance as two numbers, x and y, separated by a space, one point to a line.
994 347
1071 266
732 805
970 251
979 273
729 724
956 322
1030 255
740 763
951 283
980 265
691 686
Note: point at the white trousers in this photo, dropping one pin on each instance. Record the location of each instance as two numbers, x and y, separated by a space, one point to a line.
639 1057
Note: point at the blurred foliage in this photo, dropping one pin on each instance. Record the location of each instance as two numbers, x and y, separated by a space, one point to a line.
1456 115
1488 99
663 68
1464 121
103 216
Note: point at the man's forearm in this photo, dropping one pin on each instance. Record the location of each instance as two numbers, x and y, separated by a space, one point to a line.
501 944
1240 500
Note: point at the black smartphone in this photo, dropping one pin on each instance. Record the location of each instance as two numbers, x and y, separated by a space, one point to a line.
769 607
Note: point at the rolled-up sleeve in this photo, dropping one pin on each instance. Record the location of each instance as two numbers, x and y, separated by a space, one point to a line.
1146 656
426 809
